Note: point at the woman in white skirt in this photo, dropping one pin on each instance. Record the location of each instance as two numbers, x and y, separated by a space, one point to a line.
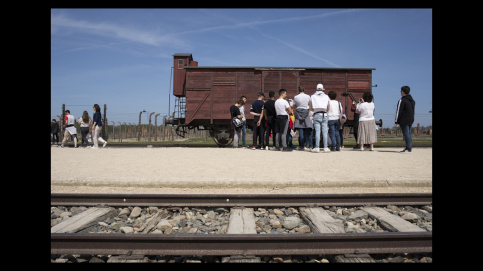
367 125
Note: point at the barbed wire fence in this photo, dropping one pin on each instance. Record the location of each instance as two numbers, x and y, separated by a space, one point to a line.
133 132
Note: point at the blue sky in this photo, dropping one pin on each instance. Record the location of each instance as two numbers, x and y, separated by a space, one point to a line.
123 57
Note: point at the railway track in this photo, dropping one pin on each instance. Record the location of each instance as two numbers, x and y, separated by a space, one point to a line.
324 238
184 145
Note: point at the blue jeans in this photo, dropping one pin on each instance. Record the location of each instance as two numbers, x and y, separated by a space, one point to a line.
334 127
305 137
321 121
406 131
244 132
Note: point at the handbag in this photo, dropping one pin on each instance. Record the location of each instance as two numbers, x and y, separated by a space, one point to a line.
342 117
237 122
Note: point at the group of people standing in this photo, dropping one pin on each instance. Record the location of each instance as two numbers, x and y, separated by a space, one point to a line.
320 112
87 125
277 117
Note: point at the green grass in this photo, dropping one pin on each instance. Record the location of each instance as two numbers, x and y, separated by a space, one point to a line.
350 141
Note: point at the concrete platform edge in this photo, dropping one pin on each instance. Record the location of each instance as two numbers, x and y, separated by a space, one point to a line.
243 184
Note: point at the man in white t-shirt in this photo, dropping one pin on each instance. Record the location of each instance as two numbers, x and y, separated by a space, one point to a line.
319 104
283 110
303 123
334 123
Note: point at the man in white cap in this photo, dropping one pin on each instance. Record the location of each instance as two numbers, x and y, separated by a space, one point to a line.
320 106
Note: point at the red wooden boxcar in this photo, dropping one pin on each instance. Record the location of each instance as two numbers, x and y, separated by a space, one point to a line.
205 93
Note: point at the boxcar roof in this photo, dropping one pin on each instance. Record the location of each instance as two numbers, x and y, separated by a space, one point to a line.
273 68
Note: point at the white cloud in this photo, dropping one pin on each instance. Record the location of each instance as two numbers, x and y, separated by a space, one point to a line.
59 22
283 20
303 51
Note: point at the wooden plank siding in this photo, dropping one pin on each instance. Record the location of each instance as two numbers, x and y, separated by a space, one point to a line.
210 91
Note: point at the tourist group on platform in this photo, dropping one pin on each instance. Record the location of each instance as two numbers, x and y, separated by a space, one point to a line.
317 116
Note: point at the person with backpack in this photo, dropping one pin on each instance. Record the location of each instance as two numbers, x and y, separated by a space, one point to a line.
235 113
319 104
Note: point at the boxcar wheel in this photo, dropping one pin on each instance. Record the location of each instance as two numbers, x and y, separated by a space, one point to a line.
222 137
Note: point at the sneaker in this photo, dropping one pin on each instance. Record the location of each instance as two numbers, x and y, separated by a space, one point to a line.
276 149
326 150
287 149
88 147
93 147
405 151
60 146
372 149
105 143
306 149
337 149
315 150
254 148
245 146
362 149
76 147
262 148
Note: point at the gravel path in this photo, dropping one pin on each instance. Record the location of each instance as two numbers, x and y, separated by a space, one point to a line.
227 170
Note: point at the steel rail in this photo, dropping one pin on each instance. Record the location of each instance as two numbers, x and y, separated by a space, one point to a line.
184 145
234 200
240 244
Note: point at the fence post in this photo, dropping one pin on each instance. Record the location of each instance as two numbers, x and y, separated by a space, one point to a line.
156 127
139 130
125 130
113 132
164 128
149 126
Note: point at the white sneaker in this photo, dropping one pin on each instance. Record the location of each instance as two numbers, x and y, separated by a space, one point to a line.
326 150
105 143
315 150
94 147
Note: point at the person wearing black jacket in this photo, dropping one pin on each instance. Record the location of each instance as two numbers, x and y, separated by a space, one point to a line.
54 130
405 116
270 115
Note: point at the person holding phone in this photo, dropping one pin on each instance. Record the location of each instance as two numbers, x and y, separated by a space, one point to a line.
367 133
